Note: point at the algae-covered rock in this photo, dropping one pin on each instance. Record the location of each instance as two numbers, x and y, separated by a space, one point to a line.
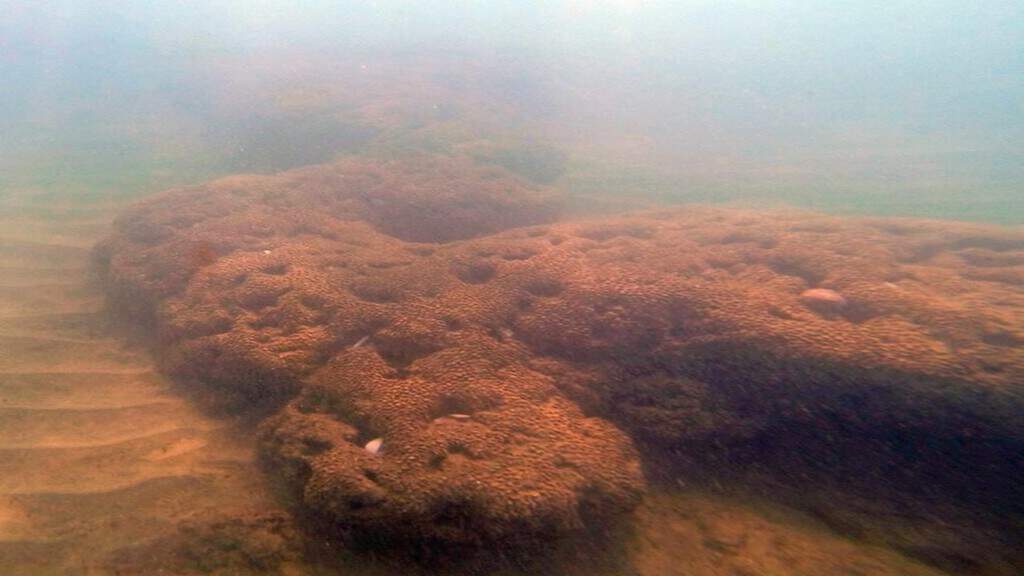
509 364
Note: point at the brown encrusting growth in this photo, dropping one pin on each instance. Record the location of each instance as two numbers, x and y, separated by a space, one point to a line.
314 298
509 364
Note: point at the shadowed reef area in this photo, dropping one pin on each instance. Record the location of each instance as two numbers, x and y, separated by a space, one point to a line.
434 353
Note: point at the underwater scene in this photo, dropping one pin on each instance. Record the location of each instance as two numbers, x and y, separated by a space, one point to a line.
511 287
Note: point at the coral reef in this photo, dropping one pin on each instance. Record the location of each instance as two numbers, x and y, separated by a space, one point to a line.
510 365
303 287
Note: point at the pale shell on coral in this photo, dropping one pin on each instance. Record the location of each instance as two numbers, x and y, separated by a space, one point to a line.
374 446
823 297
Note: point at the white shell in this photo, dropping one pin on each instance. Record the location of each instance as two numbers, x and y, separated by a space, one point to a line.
823 296
374 446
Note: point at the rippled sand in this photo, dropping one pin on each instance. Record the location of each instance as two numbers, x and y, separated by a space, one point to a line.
99 453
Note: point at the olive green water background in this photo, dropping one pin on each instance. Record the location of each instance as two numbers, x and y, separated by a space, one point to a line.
906 109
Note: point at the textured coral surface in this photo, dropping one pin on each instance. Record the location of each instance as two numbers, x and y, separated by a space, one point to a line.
516 368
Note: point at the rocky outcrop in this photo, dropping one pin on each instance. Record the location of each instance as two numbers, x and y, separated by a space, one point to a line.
303 289
504 366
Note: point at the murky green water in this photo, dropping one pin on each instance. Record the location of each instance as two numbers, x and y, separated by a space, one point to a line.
109 467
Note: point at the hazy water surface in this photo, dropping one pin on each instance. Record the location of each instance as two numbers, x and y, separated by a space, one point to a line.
907 107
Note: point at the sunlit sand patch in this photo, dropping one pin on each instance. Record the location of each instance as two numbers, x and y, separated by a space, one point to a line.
81 326
31 255
176 448
17 527
712 535
71 232
11 519
90 468
22 278
81 428
83 391
33 354
46 291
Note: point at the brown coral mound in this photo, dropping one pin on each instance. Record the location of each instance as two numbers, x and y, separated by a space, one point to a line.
364 301
301 289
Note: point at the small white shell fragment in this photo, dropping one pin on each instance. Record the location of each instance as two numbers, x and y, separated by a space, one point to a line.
823 296
455 417
266 251
374 446
359 342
